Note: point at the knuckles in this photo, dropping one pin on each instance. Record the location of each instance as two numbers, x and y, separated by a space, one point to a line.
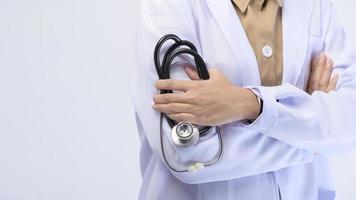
190 99
165 98
195 85
161 84
168 83
173 108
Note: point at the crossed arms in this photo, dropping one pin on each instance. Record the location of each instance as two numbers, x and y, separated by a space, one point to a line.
288 131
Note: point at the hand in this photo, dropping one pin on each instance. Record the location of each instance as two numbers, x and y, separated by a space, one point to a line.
205 102
320 73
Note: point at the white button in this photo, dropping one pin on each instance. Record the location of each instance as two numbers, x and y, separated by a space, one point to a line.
267 51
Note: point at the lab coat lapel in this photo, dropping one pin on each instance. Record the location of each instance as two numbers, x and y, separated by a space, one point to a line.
232 29
296 17
296 22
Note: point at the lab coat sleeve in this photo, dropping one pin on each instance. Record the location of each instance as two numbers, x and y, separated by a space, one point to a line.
245 153
322 122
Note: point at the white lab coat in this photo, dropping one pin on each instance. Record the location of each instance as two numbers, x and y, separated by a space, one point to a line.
284 151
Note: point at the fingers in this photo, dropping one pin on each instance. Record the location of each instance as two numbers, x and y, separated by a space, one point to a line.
333 83
320 75
316 70
171 98
325 75
183 117
191 72
213 73
169 84
173 108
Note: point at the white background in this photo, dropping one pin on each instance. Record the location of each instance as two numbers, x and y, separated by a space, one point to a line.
66 122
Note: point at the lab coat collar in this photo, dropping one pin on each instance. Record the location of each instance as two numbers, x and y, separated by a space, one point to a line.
296 19
243 4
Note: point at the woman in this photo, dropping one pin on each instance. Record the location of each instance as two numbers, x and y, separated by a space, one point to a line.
257 51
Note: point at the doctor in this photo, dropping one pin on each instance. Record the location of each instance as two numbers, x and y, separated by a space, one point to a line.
256 50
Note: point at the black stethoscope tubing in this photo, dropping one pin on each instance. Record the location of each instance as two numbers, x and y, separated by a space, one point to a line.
163 72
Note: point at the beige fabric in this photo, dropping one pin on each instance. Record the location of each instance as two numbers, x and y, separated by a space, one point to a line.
262 21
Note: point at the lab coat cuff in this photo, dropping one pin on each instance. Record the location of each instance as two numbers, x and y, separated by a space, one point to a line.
268 117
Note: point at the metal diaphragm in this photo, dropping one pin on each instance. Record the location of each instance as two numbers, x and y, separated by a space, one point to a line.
185 134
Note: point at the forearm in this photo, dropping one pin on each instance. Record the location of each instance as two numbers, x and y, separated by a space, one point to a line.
250 108
321 122
245 153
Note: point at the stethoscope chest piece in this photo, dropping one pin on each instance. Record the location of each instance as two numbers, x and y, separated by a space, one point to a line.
185 134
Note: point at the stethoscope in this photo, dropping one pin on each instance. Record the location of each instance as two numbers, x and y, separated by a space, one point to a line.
183 134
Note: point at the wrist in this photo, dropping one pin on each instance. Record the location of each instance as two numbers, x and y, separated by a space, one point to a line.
253 105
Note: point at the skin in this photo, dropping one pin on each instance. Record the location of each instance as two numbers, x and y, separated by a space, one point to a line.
320 73
217 101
